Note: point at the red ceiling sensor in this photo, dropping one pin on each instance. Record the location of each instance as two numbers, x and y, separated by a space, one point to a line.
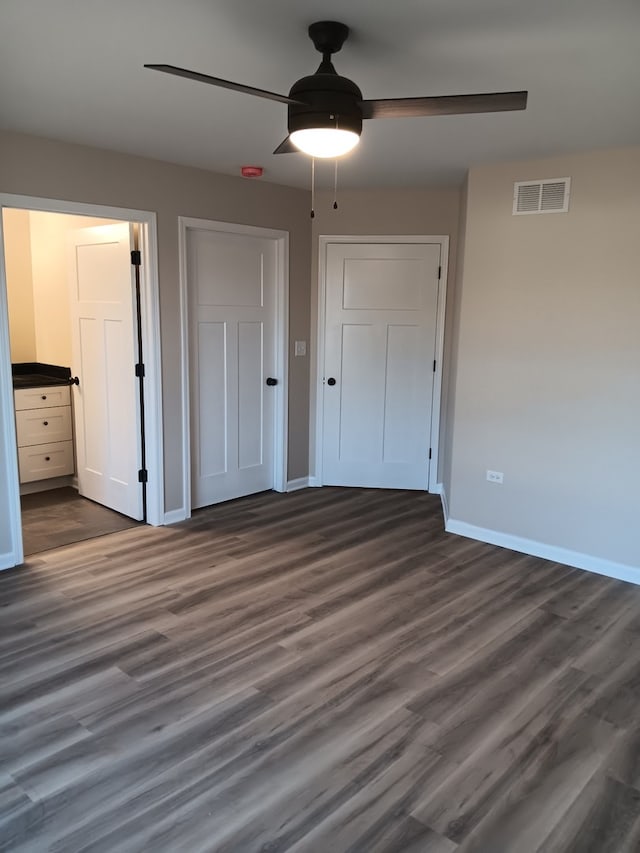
251 171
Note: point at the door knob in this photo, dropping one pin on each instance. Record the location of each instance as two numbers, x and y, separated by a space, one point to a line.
73 380
331 381
272 381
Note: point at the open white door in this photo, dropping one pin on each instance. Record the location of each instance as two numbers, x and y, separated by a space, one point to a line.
106 406
379 363
233 377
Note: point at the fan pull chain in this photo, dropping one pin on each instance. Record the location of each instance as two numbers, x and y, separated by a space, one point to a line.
335 187
313 187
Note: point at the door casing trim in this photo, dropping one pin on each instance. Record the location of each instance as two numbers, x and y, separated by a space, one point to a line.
280 436
324 240
151 340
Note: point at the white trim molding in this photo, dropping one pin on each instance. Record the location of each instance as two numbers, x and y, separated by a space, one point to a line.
151 346
578 560
152 353
8 442
281 390
296 485
174 516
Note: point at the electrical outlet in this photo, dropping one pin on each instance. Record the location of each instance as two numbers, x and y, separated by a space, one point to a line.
300 348
495 476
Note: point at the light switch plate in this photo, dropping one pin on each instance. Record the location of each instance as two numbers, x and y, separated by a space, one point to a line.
300 348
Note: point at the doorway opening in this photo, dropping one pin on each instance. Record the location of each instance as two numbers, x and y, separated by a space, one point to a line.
79 372
60 516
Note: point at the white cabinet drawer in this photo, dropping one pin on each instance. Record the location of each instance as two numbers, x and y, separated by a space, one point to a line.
42 398
43 426
45 460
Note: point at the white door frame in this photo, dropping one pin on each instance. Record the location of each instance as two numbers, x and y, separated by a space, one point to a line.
150 300
281 347
324 241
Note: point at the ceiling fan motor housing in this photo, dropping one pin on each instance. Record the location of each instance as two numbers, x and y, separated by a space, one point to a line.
326 101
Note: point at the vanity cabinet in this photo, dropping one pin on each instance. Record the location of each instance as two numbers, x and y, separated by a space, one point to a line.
45 433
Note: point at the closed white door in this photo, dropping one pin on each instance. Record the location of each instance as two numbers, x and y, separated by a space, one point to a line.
380 344
105 403
231 281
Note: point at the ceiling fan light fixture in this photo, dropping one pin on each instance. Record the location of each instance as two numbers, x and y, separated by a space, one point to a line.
325 111
325 141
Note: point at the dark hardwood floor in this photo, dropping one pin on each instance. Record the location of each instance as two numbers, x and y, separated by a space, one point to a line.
61 517
322 671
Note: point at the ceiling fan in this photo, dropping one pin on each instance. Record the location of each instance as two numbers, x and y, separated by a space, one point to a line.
325 110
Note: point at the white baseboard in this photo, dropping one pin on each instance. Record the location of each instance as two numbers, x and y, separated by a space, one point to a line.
295 485
578 560
314 483
174 516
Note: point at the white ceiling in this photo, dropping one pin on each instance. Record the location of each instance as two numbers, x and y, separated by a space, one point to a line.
73 70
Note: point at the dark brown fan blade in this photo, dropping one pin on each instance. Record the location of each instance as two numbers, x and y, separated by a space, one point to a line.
287 147
441 105
224 84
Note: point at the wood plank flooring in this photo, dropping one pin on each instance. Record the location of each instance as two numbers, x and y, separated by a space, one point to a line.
60 517
321 671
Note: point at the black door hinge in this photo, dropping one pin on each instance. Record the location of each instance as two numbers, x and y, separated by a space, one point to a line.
140 371
136 258
434 365
429 453
439 272
143 475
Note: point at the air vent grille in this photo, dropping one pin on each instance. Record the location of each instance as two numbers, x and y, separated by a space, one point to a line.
548 196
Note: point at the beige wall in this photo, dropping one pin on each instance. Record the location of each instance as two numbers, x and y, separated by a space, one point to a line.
48 169
36 247
386 212
50 288
49 262
17 242
547 386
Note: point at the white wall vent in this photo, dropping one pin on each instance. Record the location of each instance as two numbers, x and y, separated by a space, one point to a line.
548 196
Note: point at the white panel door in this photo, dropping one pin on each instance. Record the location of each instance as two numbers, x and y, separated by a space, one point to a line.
105 403
231 280
380 343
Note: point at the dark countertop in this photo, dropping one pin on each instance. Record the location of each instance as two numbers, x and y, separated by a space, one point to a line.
34 374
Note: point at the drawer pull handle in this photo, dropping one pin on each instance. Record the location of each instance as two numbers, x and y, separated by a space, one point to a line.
45 423
44 396
47 458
